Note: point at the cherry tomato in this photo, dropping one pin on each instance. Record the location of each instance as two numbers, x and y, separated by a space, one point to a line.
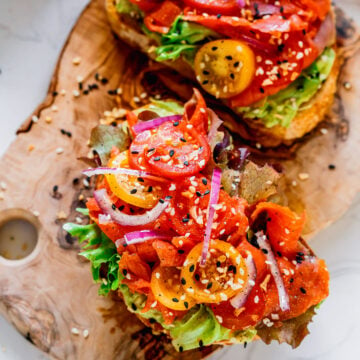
171 150
132 189
167 289
223 275
224 68
228 7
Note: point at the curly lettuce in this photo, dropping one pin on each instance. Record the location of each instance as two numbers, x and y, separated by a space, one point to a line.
183 39
281 108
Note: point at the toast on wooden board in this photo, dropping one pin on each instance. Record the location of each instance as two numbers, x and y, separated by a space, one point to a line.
312 113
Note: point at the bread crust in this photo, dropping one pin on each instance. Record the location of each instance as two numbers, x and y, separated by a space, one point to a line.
305 121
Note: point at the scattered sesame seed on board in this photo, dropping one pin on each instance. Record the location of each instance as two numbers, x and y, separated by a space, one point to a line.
76 60
59 150
303 176
75 331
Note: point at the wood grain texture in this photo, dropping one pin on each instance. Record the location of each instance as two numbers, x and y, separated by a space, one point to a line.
49 293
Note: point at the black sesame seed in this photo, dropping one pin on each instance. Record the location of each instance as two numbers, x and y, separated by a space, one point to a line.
152 321
76 181
204 181
279 253
80 86
262 90
181 349
132 210
281 9
192 268
113 207
134 152
86 92
182 139
168 197
245 344
185 220
161 201
303 290
236 64
209 285
186 163
198 193
157 158
205 82
175 300
291 280
218 264
176 123
171 153
201 343
228 57
104 81
304 32
150 150
140 179
133 306
197 277
124 272
55 188
232 76
207 192
205 72
183 281
281 47
133 191
332 167
186 304
150 189
214 48
121 208
218 16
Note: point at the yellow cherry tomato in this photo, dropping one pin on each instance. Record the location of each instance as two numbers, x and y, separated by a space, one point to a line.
167 288
132 189
223 275
225 68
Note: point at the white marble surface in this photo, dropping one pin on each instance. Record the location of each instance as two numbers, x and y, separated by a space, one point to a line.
31 35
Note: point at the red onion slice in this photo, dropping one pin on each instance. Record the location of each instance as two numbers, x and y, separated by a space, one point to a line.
241 3
151 124
138 237
115 171
240 299
108 208
214 198
275 271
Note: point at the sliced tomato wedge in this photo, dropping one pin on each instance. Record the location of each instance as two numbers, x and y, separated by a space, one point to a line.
239 319
172 150
167 288
161 19
224 7
223 275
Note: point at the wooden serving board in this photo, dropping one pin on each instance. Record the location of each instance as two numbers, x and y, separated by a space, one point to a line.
51 292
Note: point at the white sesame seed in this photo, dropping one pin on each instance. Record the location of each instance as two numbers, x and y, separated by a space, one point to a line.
76 93
59 150
76 60
303 176
75 331
324 131
86 333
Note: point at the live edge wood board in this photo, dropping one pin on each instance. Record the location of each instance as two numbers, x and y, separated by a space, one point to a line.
51 291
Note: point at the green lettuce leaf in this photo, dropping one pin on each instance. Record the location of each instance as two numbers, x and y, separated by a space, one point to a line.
281 108
183 39
102 254
127 7
162 108
104 137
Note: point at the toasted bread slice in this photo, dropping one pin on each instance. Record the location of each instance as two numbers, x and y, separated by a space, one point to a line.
127 28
